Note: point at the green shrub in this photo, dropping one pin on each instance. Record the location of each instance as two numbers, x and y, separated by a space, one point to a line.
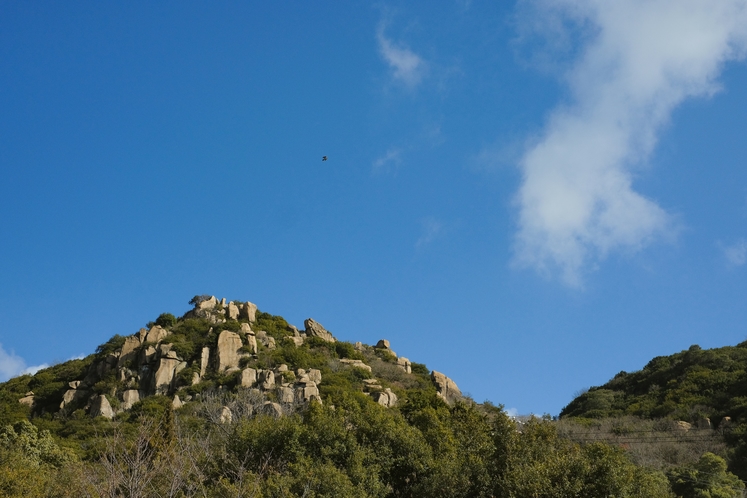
347 350
110 346
420 369
166 320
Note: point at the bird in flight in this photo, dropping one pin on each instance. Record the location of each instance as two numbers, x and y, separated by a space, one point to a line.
324 158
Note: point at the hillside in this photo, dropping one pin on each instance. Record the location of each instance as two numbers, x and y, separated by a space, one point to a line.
704 388
228 400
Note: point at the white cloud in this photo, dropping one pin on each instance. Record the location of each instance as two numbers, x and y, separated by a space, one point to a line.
406 65
431 228
638 60
512 412
35 368
388 161
736 254
10 365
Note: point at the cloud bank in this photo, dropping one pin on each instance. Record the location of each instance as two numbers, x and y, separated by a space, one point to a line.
639 59
407 67
12 365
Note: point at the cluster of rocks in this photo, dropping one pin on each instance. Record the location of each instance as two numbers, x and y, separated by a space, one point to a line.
402 362
148 364
384 397
219 311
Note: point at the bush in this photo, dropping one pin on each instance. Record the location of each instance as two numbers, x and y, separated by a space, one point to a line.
110 346
166 320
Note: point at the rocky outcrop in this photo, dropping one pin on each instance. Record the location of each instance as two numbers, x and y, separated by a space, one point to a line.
315 375
156 334
233 311
72 397
404 364
248 377
204 361
286 395
248 311
129 350
176 403
445 387
354 363
229 344
266 340
207 304
266 379
129 398
385 398
683 426
226 417
315 329
28 399
272 409
384 344
162 381
100 407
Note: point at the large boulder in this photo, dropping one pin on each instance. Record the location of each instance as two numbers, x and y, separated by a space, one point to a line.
233 311
249 311
272 409
229 344
207 304
248 377
385 398
306 391
100 407
266 379
354 363
226 417
156 334
129 350
165 375
71 396
384 344
404 364
251 341
446 387
204 359
315 329
315 375
129 398
286 395
27 400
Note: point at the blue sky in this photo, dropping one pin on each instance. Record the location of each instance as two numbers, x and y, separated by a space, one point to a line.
528 197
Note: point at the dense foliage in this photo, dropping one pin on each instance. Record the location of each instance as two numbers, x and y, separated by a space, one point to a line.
690 386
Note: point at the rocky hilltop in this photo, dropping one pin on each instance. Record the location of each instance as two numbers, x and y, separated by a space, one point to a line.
229 345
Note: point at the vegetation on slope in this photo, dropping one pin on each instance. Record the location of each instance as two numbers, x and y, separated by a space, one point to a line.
348 445
705 388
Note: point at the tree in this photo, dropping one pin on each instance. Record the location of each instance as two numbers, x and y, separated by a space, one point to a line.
708 478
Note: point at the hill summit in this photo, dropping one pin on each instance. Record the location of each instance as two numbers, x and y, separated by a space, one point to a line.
226 345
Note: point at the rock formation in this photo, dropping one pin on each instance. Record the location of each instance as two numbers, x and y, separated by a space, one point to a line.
233 311
248 377
404 364
355 363
314 329
100 407
446 387
229 344
249 312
